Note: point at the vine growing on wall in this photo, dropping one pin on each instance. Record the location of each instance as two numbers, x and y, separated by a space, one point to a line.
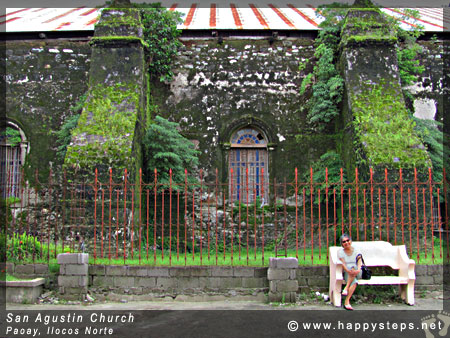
327 84
160 36
64 134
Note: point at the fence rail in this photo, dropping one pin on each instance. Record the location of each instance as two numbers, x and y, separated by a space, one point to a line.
211 222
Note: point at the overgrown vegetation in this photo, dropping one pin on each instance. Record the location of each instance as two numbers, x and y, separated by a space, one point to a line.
160 36
327 84
379 133
12 136
381 123
107 129
64 135
164 149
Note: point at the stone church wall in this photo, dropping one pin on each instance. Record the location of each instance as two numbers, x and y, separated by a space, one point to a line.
43 80
216 88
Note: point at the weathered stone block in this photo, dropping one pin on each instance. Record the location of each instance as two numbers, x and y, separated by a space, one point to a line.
282 297
179 271
275 297
286 285
102 281
148 282
158 272
303 281
72 281
312 271
438 279
40 269
283 263
221 271
116 270
199 271
27 269
74 269
73 258
315 281
97 270
137 271
188 283
260 272
253 282
421 270
424 280
216 282
243 271
278 274
434 270
229 283
75 291
9 267
122 281
166 283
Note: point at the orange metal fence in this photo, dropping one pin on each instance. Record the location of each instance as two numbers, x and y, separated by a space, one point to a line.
208 221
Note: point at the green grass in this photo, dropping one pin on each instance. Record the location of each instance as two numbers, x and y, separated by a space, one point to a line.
10 278
195 259
305 258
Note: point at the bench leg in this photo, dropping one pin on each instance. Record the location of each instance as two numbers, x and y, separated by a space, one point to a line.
410 292
336 294
407 292
402 291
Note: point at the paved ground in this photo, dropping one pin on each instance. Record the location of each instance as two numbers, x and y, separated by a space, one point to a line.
429 301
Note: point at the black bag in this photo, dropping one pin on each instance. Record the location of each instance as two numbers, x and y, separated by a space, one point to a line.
365 271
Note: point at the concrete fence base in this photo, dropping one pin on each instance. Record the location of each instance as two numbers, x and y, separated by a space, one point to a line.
282 276
73 277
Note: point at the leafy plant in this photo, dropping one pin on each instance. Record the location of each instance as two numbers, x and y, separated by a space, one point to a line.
20 247
327 88
64 135
164 149
12 135
433 139
160 35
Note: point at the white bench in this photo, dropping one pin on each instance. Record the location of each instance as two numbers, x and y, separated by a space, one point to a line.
376 253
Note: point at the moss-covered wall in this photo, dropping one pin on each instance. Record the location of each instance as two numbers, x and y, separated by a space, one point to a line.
109 131
216 87
219 87
375 117
43 79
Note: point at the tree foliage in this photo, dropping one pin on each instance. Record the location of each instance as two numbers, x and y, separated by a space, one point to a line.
160 34
164 149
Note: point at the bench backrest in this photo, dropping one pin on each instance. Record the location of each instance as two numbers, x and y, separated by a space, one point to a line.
376 253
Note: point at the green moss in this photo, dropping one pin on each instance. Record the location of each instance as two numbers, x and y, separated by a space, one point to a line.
106 40
385 130
112 18
105 130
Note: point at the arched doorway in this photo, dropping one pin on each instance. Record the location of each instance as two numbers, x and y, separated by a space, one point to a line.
249 159
13 149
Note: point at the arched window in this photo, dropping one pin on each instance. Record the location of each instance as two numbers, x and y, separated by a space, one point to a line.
248 152
13 148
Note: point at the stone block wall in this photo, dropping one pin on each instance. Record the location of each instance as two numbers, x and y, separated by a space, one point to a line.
213 280
282 274
139 280
73 275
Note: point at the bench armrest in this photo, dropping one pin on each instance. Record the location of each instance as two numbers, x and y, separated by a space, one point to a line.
406 265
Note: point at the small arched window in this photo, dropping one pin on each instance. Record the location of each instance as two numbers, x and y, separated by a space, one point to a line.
13 149
249 160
